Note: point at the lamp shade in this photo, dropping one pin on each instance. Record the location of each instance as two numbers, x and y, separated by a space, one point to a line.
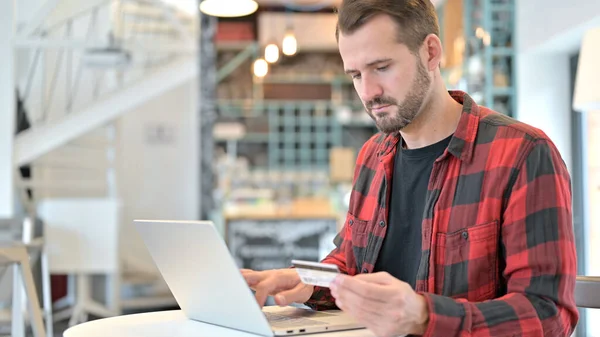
587 83
229 8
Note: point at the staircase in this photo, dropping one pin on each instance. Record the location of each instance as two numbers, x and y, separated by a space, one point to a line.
81 65
80 79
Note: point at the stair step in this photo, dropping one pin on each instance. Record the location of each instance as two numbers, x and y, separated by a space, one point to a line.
139 278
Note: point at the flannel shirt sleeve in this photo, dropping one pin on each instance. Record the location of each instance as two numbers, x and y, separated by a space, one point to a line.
321 298
539 250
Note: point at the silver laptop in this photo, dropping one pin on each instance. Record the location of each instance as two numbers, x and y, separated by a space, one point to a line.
208 286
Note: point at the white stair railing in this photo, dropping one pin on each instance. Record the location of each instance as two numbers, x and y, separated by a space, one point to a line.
76 65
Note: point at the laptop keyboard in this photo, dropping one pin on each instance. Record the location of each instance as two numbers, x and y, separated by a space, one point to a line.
288 321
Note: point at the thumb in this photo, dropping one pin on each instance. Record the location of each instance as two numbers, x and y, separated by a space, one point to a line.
299 294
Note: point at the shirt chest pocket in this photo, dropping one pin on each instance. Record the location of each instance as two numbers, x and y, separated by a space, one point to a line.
466 262
359 234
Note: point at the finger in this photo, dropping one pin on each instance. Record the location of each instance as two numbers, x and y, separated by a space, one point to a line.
299 294
363 289
359 307
368 319
382 278
263 289
341 305
252 277
261 296
272 284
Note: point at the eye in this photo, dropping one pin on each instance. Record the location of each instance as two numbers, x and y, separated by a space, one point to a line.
355 76
384 68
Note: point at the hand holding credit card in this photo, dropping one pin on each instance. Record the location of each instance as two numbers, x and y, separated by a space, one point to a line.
315 273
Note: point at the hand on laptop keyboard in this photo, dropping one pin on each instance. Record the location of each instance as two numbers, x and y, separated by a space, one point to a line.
284 284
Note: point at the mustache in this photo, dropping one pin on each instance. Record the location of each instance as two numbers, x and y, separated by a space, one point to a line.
382 100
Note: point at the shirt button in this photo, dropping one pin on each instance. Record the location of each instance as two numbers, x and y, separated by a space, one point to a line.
351 222
465 235
365 270
382 224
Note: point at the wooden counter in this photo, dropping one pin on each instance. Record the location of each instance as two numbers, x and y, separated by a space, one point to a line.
267 237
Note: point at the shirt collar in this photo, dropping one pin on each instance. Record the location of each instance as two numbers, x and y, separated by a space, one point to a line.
462 144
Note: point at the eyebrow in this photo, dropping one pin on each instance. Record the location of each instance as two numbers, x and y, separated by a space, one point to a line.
370 64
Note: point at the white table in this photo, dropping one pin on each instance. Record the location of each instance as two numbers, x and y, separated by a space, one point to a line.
170 323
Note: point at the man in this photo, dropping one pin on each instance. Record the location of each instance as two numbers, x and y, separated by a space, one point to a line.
460 218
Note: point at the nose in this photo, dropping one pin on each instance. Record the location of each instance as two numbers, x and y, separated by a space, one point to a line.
369 88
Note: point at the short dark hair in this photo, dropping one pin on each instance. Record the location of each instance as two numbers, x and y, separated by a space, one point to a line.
415 18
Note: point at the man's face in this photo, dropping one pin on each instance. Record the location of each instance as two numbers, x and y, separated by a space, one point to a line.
392 82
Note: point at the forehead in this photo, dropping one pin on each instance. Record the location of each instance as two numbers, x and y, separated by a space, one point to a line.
376 39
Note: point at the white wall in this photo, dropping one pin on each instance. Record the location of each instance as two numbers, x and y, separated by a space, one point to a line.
7 110
545 40
541 22
158 175
544 97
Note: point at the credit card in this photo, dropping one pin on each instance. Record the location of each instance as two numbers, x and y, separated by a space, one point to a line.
316 273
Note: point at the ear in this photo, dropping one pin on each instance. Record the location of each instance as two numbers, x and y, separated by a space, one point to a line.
432 51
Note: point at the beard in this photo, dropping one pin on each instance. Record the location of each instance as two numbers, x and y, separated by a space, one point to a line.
401 114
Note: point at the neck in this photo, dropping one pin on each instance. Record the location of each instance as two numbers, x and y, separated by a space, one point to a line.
437 120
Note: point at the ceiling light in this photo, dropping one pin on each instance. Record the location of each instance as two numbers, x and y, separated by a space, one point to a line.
479 32
271 53
289 45
230 8
487 39
261 68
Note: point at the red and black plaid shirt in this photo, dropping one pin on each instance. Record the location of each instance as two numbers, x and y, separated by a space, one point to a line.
498 254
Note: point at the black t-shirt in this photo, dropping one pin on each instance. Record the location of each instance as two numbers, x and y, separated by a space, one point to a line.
400 254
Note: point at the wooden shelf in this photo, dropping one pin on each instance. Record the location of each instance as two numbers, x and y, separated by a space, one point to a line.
299 209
